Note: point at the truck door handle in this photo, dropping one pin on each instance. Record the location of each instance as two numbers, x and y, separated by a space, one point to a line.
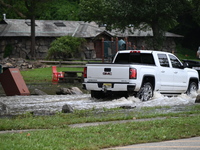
175 72
163 71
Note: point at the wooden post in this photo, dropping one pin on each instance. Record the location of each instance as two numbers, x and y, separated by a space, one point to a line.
116 44
33 55
102 50
126 41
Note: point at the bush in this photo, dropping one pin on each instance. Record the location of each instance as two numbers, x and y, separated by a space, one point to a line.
65 47
8 50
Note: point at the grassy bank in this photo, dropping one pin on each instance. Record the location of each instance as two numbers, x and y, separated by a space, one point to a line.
41 78
103 136
43 74
58 135
59 120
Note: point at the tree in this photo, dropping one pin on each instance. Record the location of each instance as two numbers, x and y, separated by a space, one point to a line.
196 10
160 15
47 10
61 10
189 25
34 7
27 9
12 8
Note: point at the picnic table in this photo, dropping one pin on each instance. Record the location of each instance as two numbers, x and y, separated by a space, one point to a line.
72 76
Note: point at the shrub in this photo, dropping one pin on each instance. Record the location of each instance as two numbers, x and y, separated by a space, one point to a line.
8 50
65 47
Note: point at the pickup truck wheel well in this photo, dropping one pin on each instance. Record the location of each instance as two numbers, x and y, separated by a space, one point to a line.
194 80
150 79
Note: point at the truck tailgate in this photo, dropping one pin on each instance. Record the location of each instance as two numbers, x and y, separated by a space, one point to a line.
111 72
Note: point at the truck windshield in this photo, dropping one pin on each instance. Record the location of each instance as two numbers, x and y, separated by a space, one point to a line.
134 58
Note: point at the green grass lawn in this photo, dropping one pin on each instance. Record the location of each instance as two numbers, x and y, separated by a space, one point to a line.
97 137
184 53
43 74
55 133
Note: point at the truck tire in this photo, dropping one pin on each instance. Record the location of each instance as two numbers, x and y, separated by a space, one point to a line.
145 92
97 94
192 87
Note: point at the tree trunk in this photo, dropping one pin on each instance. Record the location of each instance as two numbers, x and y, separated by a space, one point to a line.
33 37
157 36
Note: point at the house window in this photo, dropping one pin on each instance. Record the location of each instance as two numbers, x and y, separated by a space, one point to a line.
59 24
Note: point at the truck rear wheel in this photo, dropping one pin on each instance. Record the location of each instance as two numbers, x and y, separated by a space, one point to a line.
192 87
145 92
97 94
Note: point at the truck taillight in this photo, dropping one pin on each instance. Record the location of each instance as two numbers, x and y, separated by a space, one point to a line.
85 72
132 73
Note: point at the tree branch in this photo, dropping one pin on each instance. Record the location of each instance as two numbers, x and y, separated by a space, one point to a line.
10 6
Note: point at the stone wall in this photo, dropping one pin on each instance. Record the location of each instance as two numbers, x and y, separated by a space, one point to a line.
21 47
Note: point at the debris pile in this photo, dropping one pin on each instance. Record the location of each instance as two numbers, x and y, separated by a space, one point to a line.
20 63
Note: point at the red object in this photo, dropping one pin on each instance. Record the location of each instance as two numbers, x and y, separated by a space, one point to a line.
13 82
85 72
134 51
56 75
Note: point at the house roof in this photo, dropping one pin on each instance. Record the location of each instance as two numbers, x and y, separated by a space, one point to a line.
57 28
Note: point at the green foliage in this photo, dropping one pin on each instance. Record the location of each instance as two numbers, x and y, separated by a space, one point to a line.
65 47
41 9
189 25
12 8
8 50
36 7
196 10
184 53
118 14
160 15
61 10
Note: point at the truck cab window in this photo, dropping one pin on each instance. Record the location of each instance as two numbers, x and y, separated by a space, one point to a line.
163 60
135 58
147 59
175 62
122 58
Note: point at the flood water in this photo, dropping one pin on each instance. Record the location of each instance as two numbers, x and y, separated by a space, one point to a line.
11 105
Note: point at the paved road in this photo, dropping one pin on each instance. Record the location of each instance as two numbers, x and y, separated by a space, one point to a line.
182 144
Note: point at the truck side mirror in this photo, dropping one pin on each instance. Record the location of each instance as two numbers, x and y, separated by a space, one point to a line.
185 65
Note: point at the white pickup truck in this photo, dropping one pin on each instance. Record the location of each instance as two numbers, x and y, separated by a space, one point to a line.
139 73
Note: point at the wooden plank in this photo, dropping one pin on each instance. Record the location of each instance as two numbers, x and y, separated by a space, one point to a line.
63 62
72 79
72 71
